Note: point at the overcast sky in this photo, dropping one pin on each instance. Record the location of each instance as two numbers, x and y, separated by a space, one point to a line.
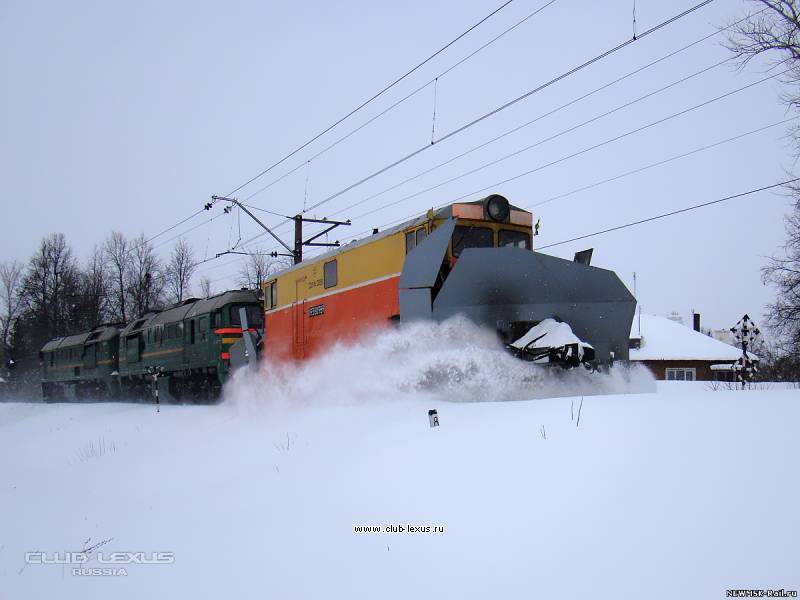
129 116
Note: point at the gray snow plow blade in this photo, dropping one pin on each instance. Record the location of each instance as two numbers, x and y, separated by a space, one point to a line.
504 288
243 352
421 271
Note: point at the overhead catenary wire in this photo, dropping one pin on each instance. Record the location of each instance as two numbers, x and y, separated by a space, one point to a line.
571 155
269 212
596 90
180 235
458 63
621 136
370 99
615 178
392 106
510 103
563 158
358 108
517 24
178 224
659 163
398 102
544 140
671 213
681 155
496 138
535 120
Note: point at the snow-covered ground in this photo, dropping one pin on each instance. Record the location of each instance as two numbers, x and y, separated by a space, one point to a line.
685 492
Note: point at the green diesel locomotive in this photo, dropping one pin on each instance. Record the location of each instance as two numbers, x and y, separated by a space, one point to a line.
184 350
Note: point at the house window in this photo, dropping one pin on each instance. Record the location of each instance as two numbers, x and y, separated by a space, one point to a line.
681 374
330 274
421 235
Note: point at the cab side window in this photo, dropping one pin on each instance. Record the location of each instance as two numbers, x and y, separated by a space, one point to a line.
415 238
271 295
330 274
411 241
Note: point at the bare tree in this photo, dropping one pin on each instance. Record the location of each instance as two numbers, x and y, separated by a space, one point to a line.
783 272
10 303
145 282
49 286
179 270
773 32
116 250
258 268
205 287
95 290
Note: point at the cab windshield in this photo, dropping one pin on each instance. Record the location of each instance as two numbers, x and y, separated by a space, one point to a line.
467 236
518 239
254 316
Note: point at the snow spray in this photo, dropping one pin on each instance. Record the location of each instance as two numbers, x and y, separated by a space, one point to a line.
454 360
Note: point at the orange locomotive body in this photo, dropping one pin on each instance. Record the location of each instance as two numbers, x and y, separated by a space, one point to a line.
341 295
473 259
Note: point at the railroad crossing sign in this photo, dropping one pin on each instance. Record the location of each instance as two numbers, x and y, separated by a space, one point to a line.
745 332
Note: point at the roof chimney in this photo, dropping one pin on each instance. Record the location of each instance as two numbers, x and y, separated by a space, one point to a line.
696 322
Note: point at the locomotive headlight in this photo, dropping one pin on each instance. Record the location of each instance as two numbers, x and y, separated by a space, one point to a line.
497 208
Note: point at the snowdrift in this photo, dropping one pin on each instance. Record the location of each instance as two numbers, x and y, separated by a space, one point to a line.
267 495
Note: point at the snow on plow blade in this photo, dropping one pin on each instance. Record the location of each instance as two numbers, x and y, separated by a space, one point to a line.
512 289
552 342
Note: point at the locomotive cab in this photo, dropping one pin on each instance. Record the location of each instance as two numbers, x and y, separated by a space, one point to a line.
545 309
490 223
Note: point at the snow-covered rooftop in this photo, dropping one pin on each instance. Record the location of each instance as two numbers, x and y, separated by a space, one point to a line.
664 339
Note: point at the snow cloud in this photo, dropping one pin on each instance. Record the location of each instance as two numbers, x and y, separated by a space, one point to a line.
453 360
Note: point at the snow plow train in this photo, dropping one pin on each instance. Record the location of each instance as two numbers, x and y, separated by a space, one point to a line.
474 259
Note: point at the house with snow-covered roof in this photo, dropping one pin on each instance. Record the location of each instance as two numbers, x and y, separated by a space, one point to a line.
673 351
